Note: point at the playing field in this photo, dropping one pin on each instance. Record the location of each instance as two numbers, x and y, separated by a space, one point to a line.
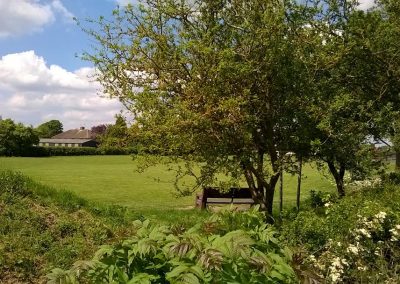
113 179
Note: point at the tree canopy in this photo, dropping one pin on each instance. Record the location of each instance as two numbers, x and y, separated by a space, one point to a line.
230 86
15 138
49 129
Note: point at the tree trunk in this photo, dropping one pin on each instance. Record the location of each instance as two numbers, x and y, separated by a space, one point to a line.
338 176
281 195
299 184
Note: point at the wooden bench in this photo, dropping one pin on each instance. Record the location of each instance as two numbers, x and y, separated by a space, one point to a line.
212 195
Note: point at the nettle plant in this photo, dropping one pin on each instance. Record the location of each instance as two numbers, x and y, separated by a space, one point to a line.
233 247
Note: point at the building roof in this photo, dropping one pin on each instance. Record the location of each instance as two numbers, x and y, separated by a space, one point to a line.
64 141
80 133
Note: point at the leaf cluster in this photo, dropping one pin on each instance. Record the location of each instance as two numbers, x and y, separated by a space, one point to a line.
161 254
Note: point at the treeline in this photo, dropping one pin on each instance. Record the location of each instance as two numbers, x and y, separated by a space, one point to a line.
17 139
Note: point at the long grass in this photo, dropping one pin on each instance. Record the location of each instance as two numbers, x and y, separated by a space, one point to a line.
114 180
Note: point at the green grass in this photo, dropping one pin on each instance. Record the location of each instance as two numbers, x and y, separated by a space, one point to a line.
113 180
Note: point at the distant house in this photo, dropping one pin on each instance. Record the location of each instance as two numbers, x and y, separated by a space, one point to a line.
72 138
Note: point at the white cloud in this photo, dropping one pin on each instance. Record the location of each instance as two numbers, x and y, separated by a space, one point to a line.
365 4
33 92
125 2
20 17
23 16
58 7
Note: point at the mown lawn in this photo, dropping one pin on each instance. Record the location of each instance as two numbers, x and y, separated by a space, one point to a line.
113 179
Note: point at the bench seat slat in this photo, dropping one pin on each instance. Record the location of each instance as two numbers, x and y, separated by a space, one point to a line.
211 195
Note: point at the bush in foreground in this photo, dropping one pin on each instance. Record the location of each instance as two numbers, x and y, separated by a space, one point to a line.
228 248
355 240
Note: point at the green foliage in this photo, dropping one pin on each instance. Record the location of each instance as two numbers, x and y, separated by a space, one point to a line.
41 227
15 139
320 198
38 151
354 240
116 136
392 177
246 253
218 84
49 129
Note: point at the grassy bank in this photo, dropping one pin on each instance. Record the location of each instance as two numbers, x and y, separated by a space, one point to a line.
42 227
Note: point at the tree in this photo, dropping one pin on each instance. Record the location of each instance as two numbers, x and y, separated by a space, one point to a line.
214 82
115 135
388 41
98 130
355 88
16 139
49 128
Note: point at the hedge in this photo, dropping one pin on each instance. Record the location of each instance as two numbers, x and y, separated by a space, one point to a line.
39 151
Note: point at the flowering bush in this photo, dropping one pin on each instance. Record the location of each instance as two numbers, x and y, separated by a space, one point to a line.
355 240
372 245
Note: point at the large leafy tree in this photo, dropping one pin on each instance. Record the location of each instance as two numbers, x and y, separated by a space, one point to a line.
214 82
16 139
355 88
49 128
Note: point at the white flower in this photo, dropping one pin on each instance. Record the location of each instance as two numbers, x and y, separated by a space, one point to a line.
381 216
328 204
394 232
335 277
362 268
353 249
344 261
364 232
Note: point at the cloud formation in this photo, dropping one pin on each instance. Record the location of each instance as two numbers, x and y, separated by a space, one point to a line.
125 2
33 92
365 4
20 17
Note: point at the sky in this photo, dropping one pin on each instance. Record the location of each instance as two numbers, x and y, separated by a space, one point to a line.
41 76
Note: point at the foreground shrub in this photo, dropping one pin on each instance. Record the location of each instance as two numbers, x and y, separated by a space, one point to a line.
353 241
161 254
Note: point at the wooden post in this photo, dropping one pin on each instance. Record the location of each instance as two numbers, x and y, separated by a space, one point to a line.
299 184
281 195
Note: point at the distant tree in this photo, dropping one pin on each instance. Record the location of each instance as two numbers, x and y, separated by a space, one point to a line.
49 129
16 139
99 130
115 135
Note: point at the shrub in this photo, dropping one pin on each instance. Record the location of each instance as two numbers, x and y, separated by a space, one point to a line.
392 178
355 240
321 199
38 151
249 253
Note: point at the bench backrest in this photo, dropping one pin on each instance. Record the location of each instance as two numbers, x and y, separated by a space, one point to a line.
213 192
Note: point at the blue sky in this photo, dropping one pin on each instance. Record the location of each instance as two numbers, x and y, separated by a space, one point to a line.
58 38
40 76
